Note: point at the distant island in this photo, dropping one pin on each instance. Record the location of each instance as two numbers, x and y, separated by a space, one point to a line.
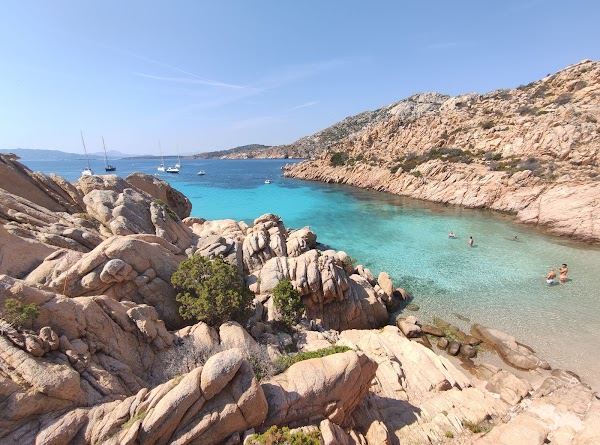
32 154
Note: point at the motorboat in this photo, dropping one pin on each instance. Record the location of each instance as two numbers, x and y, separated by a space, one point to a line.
201 173
267 181
172 170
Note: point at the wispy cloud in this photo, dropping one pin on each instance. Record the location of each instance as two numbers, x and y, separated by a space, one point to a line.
192 77
304 105
294 73
193 81
448 45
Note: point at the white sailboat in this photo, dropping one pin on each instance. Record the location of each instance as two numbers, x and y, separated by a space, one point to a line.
161 167
178 165
107 166
87 171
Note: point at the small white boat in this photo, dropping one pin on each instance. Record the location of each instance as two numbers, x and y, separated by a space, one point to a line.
172 170
161 168
267 181
87 171
201 173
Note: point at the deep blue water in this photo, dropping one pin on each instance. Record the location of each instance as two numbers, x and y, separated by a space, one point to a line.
499 282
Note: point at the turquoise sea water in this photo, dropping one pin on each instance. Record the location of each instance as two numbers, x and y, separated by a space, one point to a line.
499 282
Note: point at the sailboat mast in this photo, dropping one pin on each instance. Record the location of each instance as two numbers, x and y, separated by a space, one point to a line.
105 157
87 160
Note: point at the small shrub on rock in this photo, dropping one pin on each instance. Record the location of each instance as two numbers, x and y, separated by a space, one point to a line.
166 208
18 314
210 291
283 436
475 428
488 125
288 360
287 300
563 99
531 164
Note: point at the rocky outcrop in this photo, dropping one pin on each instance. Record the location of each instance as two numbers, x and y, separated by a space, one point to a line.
532 152
417 394
561 411
159 189
50 192
321 388
126 211
135 268
206 406
332 297
514 353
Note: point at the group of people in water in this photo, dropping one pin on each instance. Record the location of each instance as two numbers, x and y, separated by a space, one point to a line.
452 235
562 278
550 278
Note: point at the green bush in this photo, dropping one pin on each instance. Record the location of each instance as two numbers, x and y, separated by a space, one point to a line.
283 436
563 99
337 159
488 124
210 291
475 428
167 209
286 361
19 314
449 434
287 300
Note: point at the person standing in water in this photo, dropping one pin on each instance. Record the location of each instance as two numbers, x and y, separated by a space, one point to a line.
471 241
551 277
563 273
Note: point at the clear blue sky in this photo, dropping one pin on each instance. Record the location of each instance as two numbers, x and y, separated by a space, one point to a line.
215 75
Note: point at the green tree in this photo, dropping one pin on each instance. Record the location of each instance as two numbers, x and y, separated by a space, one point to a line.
210 291
287 300
337 159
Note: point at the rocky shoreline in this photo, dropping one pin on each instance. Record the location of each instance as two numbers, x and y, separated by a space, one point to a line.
108 358
565 209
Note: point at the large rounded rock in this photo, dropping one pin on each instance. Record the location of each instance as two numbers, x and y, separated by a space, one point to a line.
159 189
513 353
454 347
319 388
385 282
219 370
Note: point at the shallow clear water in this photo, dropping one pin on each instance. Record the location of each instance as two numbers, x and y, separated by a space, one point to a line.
499 282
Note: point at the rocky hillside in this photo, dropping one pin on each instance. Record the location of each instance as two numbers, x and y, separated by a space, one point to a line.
244 151
93 349
532 151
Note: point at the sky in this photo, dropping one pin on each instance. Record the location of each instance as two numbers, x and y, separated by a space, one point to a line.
199 75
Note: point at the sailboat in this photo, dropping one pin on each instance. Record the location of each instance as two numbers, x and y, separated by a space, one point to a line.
161 167
107 166
178 165
87 171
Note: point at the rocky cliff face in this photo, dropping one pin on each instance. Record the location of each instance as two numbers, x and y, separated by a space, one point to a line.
532 151
107 358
